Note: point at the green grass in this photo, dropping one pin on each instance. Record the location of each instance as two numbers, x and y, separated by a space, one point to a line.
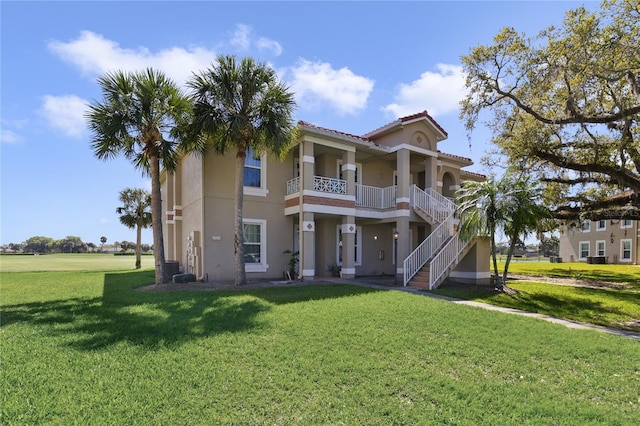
617 307
622 274
87 348
71 262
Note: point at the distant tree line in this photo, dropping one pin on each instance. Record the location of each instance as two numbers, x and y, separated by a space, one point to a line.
69 244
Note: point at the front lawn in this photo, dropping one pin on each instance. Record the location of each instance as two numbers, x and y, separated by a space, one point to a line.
87 348
616 305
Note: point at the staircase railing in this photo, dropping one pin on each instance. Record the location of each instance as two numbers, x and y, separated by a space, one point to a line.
442 247
432 203
427 249
441 209
445 258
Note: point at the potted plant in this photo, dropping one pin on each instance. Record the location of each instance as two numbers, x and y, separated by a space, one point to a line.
334 268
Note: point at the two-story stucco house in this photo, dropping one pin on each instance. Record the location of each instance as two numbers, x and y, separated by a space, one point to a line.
370 205
602 241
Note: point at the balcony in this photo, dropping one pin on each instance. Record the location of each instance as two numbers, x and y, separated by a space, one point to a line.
369 197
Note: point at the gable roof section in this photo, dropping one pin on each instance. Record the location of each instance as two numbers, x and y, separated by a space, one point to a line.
360 140
424 115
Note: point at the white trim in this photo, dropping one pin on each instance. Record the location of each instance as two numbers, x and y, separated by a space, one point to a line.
630 258
308 272
604 248
177 207
320 141
347 167
470 274
308 226
598 228
288 211
588 243
319 208
329 195
440 184
256 192
589 227
403 200
263 266
454 187
261 191
308 159
350 271
623 226
414 149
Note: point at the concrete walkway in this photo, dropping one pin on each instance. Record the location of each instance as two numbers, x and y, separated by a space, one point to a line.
567 323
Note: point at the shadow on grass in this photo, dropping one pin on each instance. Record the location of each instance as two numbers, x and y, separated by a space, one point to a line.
306 293
158 319
582 304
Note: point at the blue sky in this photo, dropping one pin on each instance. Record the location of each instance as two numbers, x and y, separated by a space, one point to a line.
354 66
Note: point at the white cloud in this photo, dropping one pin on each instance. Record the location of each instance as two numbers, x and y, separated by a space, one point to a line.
10 137
65 113
317 83
95 55
243 39
438 92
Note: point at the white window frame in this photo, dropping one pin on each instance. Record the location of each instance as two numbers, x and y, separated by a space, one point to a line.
601 228
586 224
261 191
263 266
358 243
626 223
588 243
601 244
622 242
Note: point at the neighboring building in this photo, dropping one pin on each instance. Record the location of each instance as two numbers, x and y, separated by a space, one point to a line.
337 200
602 241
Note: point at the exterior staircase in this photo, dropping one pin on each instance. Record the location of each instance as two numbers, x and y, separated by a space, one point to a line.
432 261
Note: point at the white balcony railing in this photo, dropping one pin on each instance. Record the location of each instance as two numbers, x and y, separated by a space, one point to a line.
293 186
374 197
330 185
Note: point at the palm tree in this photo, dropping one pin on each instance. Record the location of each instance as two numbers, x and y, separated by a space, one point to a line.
509 203
523 213
242 106
141 118
135 213
103 240
479 212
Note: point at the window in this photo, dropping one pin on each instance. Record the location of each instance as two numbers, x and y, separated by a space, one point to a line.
255 245
600 246
586 226
625 250
357 249
255 174
626 223
584 250
602 225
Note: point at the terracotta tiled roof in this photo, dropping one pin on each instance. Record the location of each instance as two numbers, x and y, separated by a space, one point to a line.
455 156
478 175
337 132
426 115
400 120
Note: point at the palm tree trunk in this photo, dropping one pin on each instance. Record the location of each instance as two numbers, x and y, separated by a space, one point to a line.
156 218
138 247
241 276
